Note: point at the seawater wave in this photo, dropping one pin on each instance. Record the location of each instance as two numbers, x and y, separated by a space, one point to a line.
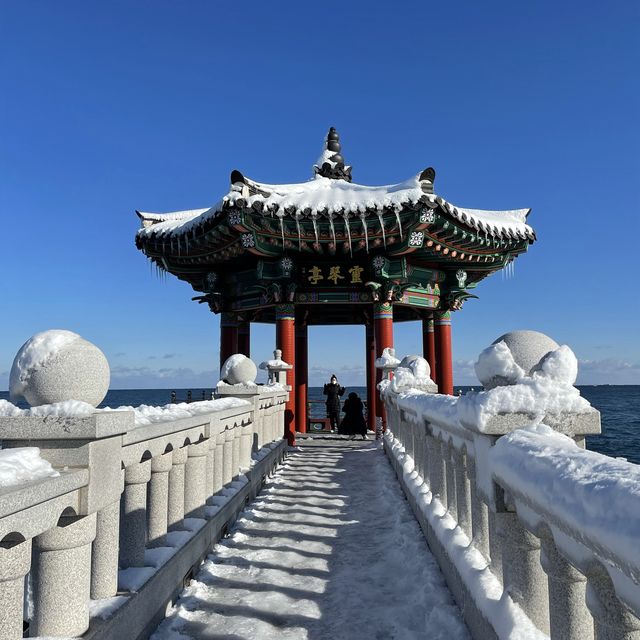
619 406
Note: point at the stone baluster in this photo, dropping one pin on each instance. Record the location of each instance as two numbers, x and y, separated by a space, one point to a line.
407 438
612 619
419 446
15 561
218 462
569 618
227 468
266 426
211 459
237 435
105 552
452 503
439 472
175 511
62 577
463 490
133 531
479 513
523 577
495 546
430 457
257 439
195 480
159 499
246 440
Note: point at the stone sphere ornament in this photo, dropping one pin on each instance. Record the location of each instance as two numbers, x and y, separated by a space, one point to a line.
238 369
58 365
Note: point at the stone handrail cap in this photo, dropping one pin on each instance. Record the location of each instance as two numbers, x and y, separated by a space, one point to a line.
101 424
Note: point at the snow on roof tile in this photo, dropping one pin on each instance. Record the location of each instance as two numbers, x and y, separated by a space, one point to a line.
329 197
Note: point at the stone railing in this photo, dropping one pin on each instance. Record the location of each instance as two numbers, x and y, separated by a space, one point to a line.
535 535
107 544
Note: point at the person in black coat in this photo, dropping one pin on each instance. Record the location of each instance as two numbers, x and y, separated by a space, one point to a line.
333 391
353 423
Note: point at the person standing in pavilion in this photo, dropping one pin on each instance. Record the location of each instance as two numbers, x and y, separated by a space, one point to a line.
333 391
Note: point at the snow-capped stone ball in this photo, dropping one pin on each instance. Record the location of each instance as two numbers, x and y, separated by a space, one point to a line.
58 365
238 369
512 357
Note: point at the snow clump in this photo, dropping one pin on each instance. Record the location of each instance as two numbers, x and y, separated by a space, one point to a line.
413 372
496 365
23 464
387 360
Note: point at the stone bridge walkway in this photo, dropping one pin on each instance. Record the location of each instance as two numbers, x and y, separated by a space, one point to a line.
329 550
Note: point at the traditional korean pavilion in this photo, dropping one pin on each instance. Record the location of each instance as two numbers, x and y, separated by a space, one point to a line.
330 251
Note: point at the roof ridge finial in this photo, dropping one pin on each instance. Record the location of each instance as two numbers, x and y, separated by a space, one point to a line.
331 163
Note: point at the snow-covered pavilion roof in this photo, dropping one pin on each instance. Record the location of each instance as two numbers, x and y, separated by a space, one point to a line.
331 194
325 197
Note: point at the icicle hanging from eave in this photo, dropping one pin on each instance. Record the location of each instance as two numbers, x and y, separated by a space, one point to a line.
363 219
346 223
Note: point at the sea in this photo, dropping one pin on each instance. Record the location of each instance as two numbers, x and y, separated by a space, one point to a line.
619 406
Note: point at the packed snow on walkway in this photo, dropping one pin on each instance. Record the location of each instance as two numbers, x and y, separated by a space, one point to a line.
330 549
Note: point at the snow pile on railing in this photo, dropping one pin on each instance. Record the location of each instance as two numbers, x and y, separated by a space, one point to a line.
597 496
147 414
23 464
144 414
548 389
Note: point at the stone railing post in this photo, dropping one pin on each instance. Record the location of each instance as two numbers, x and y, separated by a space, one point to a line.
133 528
15 561
569 617
106 548
195 480
159 499
523 577
62 576
228 460
463 490
612 619
175 510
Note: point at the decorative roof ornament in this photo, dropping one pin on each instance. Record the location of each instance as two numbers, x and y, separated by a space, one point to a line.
331 163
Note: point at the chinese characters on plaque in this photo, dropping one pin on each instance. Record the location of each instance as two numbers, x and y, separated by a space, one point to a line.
335 275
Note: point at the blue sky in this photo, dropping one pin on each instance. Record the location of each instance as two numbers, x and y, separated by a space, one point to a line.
110 107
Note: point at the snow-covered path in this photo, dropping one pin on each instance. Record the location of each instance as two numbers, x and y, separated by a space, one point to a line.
329 550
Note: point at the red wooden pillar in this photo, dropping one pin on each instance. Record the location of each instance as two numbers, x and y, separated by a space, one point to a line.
370 354
228 335
383 324
429 345
286 342
244 338
444 361
302 361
